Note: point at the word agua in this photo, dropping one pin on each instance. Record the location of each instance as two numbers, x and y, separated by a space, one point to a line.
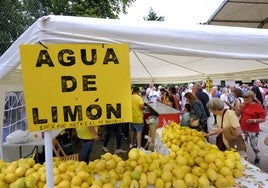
67 57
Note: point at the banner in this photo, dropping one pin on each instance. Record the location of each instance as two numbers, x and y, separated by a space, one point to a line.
71 85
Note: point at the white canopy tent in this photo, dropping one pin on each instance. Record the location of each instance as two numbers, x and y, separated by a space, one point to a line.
241 13
159 53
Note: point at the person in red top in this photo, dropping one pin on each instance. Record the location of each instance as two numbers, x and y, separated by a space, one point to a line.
172 92
252 114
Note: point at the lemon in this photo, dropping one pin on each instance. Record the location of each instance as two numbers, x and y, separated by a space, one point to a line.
3 184
57 179
111 164
64 184
85 185
159 183
190 180
181 160
198 160
94 185
120 169
168 166
151 177
56 171
166 176
83 175
219 163
105 177
107 156
19 183
29 171
36 175
65 176
101 165
203 165
11 168
11 177
179 183
91 166
31 162
231 180
210 158
37 166
229 162
71 167
203 181
178 173
43 177
133 154
197 171
76 181
132 163
138 168
143 180
237 173
135 175
63 167
239 166
108 185
211 174
141 160
221 182
225 171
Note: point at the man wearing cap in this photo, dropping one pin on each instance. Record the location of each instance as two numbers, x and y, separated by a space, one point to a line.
252 114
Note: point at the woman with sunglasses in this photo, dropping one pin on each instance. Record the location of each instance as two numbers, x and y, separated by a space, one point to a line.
252 114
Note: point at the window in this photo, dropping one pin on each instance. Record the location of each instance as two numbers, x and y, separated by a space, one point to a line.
14 113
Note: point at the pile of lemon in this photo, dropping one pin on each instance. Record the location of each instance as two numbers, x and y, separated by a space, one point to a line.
25 173
192 162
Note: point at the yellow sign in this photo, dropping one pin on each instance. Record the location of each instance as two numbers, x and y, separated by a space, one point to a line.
209 85
72 85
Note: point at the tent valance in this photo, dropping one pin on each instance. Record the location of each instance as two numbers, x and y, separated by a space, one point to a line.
159 53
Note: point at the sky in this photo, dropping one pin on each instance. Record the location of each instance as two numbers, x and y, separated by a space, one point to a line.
174 11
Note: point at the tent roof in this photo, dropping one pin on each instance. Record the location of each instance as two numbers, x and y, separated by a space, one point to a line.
159 53
241 13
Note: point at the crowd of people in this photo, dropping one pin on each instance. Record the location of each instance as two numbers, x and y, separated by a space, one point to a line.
240 109
245 106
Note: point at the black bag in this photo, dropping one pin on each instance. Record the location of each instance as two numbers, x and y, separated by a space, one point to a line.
219 143
219 139
39 157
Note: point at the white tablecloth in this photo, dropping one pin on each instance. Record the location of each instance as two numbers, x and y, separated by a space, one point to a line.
252 175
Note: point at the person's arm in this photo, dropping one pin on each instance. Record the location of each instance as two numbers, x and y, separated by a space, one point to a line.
94 132
196 111
215 131
141 106
237 107
238 130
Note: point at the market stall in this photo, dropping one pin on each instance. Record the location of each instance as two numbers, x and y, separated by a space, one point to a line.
163 112
252 176
15 151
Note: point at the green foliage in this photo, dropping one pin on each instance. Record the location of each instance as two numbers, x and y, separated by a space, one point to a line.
152 16
18 15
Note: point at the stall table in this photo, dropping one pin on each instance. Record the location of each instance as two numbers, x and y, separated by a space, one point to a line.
164 113
33 144
252 175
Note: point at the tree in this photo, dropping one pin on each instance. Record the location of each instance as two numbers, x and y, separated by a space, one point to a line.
92 8
152 16
17 15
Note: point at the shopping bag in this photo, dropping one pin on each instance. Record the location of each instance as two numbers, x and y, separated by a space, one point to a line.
220 143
